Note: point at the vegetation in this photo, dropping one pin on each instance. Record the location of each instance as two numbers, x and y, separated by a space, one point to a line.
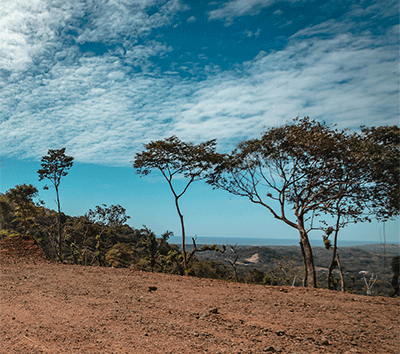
306 174
93 240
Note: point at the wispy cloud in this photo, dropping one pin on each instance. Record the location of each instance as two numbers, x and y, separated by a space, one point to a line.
236 8
103 107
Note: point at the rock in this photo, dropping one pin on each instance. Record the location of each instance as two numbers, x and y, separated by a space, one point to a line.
214 310
324 341
280 333
152 288
270 349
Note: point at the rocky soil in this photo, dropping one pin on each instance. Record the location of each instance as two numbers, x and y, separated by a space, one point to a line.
46 307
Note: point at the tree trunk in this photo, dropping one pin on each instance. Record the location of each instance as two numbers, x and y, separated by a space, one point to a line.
330 270
341 273
310 279
185 268
335 256
59 226
303 254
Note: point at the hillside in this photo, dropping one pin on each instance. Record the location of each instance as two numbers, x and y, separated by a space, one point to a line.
286 262
58 308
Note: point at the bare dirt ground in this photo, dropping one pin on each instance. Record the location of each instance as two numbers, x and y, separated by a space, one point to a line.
57 308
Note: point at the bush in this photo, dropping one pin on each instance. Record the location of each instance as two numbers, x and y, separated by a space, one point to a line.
119 256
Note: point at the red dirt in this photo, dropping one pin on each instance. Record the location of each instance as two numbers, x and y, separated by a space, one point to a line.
57 308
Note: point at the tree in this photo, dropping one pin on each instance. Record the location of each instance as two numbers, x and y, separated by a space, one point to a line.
233 261
150 245
55 166
296 168
108 219
173 157
113 216
369 185
22 197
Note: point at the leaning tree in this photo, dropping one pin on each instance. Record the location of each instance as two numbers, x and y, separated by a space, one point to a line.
173 157
54 167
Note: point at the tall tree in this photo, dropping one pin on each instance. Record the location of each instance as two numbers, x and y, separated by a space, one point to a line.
292 171
55 166
173 157
369 185
113 216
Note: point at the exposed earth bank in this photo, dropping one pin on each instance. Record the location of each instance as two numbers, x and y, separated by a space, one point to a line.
57 308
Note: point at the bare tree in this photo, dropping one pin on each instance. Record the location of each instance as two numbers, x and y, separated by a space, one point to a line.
369 283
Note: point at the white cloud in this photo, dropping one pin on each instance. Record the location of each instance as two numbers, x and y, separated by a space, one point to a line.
102 110
236 8
106 121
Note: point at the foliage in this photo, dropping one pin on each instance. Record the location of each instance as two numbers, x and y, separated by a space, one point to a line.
21 200
150 245
382 154
255 276
210 270
100 251
6 213
113 216
55 166
119 256
173 262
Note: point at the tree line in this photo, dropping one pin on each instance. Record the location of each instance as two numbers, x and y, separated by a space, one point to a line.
307 174
303 173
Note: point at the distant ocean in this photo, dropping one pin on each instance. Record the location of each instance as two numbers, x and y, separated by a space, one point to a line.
248 241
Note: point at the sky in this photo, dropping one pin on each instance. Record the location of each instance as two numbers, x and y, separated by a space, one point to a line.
102 78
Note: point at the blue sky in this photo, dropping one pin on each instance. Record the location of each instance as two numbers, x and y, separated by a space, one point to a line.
103 77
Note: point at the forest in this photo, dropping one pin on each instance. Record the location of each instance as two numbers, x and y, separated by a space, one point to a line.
303 173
